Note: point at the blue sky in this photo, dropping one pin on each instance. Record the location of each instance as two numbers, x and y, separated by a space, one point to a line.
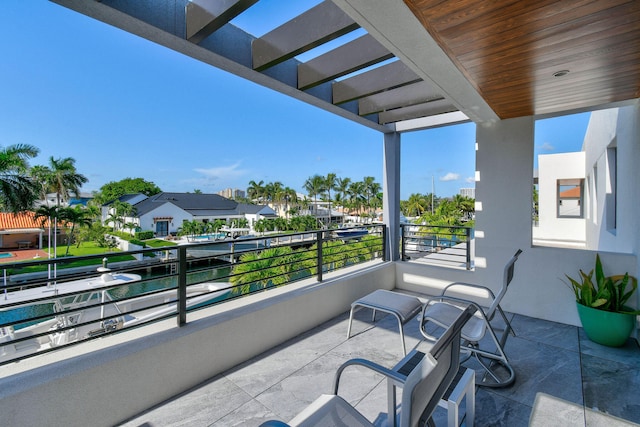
125 107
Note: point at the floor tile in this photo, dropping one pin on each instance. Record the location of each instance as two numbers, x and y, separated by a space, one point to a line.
554 363
611 387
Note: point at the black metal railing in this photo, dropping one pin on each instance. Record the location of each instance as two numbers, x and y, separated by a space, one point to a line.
444 245
54 303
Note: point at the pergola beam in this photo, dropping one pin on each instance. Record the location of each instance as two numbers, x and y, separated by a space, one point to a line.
348 58
417 111
385 77
404 96
318 25
204 17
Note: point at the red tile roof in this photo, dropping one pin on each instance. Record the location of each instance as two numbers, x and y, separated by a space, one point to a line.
10 221
572 193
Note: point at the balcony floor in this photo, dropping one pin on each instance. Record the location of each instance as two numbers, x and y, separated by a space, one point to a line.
562 378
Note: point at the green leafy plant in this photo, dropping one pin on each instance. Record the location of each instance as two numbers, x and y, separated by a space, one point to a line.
608 293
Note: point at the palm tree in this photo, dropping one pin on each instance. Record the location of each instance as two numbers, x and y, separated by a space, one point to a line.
275 194
271 267
118 213
65 180
330 183
290 197
255 190
315 185
131 226
374 196
416 205
370 188
17 190
465 205
342 185
76 217
48 215
42 176
356 195
93 212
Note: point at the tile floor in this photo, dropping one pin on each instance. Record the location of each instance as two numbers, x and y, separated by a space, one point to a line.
562 379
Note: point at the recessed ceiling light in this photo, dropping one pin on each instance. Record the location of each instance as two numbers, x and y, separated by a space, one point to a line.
561 73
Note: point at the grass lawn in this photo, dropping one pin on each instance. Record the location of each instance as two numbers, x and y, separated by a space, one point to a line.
86 248
158 243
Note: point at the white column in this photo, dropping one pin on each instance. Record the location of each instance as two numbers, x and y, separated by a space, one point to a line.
391 191
504 187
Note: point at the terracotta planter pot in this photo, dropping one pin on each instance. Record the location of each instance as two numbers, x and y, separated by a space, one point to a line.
606 327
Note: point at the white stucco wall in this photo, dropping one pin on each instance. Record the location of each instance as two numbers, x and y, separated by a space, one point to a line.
504 163
553 229
608 129
92 386
165 210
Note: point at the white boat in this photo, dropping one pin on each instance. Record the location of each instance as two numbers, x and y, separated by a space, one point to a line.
71 308
419 245
350 233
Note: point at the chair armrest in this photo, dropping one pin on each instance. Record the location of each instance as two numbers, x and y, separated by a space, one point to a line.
396 376
274 423
463 301
468 285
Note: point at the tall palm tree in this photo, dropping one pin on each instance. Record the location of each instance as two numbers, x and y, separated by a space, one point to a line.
255 190
373 196
342 185
76 217
65 179
42 176
49 214
17 190
369 190
356 195
330 183
290 197
416 205
275 194
315 186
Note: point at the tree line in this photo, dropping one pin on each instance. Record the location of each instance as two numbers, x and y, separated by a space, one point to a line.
353 197
21 185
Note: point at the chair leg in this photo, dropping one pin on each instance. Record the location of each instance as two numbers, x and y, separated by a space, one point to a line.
350 320
490 371
400 325
499 358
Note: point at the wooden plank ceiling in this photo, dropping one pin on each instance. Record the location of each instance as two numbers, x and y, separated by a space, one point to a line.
510 50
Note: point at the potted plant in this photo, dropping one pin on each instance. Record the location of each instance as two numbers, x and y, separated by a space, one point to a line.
601 305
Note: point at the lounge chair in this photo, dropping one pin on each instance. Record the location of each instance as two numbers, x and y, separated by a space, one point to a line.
446 308
423 386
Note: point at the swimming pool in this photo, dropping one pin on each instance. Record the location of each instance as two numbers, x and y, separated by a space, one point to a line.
5 255
215 236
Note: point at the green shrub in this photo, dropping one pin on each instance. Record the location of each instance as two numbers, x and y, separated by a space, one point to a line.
137 242
144 235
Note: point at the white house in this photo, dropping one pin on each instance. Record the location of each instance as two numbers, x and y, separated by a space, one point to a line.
579 193
164 213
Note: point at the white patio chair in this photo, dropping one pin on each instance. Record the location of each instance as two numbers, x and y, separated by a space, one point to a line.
445 310
423 386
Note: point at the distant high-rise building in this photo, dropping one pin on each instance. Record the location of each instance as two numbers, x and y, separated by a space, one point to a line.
232 193
468 192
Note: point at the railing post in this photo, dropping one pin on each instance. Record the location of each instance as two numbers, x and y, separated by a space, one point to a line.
319 254
182 285
402 251
468 232
385 244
